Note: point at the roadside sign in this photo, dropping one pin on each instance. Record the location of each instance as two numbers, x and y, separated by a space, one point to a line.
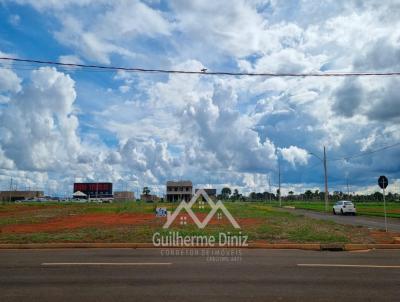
161 212
383 182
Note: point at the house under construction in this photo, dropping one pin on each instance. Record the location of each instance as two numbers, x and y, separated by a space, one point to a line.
179 190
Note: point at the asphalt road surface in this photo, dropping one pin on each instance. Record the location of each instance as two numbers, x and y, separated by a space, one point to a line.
156 275
370 222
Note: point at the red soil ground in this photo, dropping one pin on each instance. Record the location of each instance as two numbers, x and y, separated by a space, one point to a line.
81 221
383 237
109 220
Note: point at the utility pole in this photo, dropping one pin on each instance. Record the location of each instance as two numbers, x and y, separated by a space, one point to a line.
348 190
279 176
126 191
269 184
326 183
11 180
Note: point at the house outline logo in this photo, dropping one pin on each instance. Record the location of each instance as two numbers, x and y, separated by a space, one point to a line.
188 207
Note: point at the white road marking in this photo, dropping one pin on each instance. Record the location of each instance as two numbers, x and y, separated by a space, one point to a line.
106 263
348 265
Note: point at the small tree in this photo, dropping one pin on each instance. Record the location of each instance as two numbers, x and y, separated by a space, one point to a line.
226 192
308 195
146 190
235 194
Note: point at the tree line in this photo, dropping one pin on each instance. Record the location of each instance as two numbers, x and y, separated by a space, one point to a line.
308 195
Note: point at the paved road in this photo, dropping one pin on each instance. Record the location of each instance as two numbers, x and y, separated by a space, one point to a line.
371 222
146 275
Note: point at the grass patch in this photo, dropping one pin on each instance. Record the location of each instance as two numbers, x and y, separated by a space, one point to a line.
363 208
309 234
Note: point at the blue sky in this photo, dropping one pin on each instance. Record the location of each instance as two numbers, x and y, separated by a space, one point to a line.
59 125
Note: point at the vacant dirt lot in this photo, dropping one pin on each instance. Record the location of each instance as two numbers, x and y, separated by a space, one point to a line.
135 222
81 221
109 220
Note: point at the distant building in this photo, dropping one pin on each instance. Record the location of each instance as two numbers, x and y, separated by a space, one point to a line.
20 195
95 189
149 198
212 193
179 190
124 196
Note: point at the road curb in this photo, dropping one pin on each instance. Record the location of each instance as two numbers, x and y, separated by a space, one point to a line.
73 245
356 247
311 246
290 246
293 246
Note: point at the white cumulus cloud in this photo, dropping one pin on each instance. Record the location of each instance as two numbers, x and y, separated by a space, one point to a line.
295 155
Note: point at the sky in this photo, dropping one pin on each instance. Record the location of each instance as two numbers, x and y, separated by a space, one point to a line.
60 125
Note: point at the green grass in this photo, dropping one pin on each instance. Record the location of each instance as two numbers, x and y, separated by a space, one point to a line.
308 234
363 208
260 221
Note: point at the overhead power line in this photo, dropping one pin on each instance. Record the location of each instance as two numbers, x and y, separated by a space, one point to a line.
366 153
202 71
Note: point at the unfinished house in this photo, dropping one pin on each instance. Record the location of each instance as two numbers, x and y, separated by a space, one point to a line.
179 190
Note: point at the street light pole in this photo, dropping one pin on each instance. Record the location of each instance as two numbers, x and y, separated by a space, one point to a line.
11 181
323 160
279 176
270 192
326 183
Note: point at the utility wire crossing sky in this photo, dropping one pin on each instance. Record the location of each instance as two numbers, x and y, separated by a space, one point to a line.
204 71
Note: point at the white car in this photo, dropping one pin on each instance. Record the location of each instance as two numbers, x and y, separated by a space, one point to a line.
344 207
